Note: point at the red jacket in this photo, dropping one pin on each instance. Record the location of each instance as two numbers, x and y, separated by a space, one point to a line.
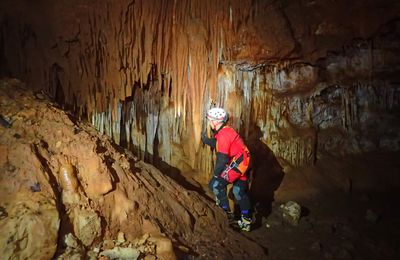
230 143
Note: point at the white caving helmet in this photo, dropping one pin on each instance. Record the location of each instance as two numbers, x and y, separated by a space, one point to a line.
217 114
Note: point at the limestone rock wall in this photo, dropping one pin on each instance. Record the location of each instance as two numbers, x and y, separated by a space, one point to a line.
314 76
62 182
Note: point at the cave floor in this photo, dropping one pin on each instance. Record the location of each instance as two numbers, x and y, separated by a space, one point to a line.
336 223
335 226
348 218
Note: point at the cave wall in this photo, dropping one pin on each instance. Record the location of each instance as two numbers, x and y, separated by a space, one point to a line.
312 76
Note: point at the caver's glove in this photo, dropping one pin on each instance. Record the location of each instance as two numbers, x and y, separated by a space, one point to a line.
208 141
204 137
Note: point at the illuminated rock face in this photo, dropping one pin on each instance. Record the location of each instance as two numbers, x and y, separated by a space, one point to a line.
145 72
61 178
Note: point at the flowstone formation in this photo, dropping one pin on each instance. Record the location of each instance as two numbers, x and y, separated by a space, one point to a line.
67 191
314 77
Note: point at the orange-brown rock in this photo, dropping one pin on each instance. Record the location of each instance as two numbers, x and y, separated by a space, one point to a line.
141 200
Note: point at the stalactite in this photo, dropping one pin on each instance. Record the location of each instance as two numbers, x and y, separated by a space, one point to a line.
186 40
146 72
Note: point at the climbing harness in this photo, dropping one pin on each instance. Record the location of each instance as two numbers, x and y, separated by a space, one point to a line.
237 167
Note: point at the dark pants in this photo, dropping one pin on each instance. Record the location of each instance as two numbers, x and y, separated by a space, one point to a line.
240 188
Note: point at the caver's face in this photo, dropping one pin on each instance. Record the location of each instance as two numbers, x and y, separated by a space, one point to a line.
213 124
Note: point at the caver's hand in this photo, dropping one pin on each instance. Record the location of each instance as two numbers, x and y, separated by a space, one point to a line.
204 137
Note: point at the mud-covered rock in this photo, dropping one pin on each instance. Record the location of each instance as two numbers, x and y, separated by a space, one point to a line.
30 229
97 189
86 225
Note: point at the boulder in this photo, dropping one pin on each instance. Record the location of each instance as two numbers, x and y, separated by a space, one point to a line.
291 212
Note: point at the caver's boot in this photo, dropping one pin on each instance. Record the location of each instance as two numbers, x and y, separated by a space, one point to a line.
230 215
245 224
